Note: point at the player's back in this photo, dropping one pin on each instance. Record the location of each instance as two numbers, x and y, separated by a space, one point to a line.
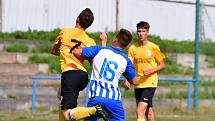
67 59
108 66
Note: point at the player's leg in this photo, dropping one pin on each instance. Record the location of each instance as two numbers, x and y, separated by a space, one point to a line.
84 113
70 84
149 112
141 104
101 112
80 113
115 110
61 116
60 112
140 111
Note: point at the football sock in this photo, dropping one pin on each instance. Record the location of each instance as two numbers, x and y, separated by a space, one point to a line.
61 116
141 119
79 113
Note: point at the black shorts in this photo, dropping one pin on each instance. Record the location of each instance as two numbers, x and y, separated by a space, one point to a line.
145 95
72 82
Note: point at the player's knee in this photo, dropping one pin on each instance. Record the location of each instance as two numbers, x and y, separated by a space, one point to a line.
139 111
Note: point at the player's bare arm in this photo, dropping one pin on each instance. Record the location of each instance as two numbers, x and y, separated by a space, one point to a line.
128 82
161 65
127 85
77 52
55 49
103 38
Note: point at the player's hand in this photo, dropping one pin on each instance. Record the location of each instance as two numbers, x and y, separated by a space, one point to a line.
148 72
103 38
127 85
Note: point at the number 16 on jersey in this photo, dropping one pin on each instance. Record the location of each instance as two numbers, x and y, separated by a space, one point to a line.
108 70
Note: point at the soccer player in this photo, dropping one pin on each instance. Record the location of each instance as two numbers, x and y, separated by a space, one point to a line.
74 77
109 64
148 60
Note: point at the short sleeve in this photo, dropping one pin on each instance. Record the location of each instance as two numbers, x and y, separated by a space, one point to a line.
159 56
90 52
60 36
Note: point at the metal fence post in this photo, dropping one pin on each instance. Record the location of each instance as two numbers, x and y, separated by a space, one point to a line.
33 96
188 95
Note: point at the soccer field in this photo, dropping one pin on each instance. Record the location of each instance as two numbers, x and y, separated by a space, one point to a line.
54 117
179 118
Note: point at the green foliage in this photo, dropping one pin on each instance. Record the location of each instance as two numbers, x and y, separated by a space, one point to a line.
176 94
207 83
128 93
166 45
21 118
211 61
96 37
87 66
53 61
42 48
30 35
173 45
16 48
207 48
168 84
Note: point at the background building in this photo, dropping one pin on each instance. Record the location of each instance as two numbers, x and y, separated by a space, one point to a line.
170 19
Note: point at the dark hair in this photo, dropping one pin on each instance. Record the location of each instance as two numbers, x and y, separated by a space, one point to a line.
143 24
86 18
124 37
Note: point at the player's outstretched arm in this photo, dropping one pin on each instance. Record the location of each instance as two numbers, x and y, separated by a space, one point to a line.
103 38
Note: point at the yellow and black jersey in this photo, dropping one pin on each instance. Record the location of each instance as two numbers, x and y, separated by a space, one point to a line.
145 57
67 59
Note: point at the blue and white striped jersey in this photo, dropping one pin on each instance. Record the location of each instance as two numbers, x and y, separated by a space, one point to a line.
109 64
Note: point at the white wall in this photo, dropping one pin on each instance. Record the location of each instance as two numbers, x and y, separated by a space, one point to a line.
168 20
50 14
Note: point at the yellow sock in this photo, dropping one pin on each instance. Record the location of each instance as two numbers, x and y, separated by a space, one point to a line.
79 113
61 116
141 119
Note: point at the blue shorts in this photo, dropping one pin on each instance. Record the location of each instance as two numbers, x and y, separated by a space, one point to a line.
114 108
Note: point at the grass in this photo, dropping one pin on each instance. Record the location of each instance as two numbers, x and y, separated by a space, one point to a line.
23 116
16 48
178 118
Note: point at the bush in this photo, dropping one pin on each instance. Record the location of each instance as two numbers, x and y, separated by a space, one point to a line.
53 61
42 48
16 48
31 35
166 45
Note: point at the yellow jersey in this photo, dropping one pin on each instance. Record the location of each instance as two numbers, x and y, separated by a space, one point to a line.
67 59
145 57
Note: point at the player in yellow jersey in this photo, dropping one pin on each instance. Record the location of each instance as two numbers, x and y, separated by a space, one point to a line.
74 76
148 60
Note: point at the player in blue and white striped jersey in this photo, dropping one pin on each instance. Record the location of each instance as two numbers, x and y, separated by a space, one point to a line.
108 65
